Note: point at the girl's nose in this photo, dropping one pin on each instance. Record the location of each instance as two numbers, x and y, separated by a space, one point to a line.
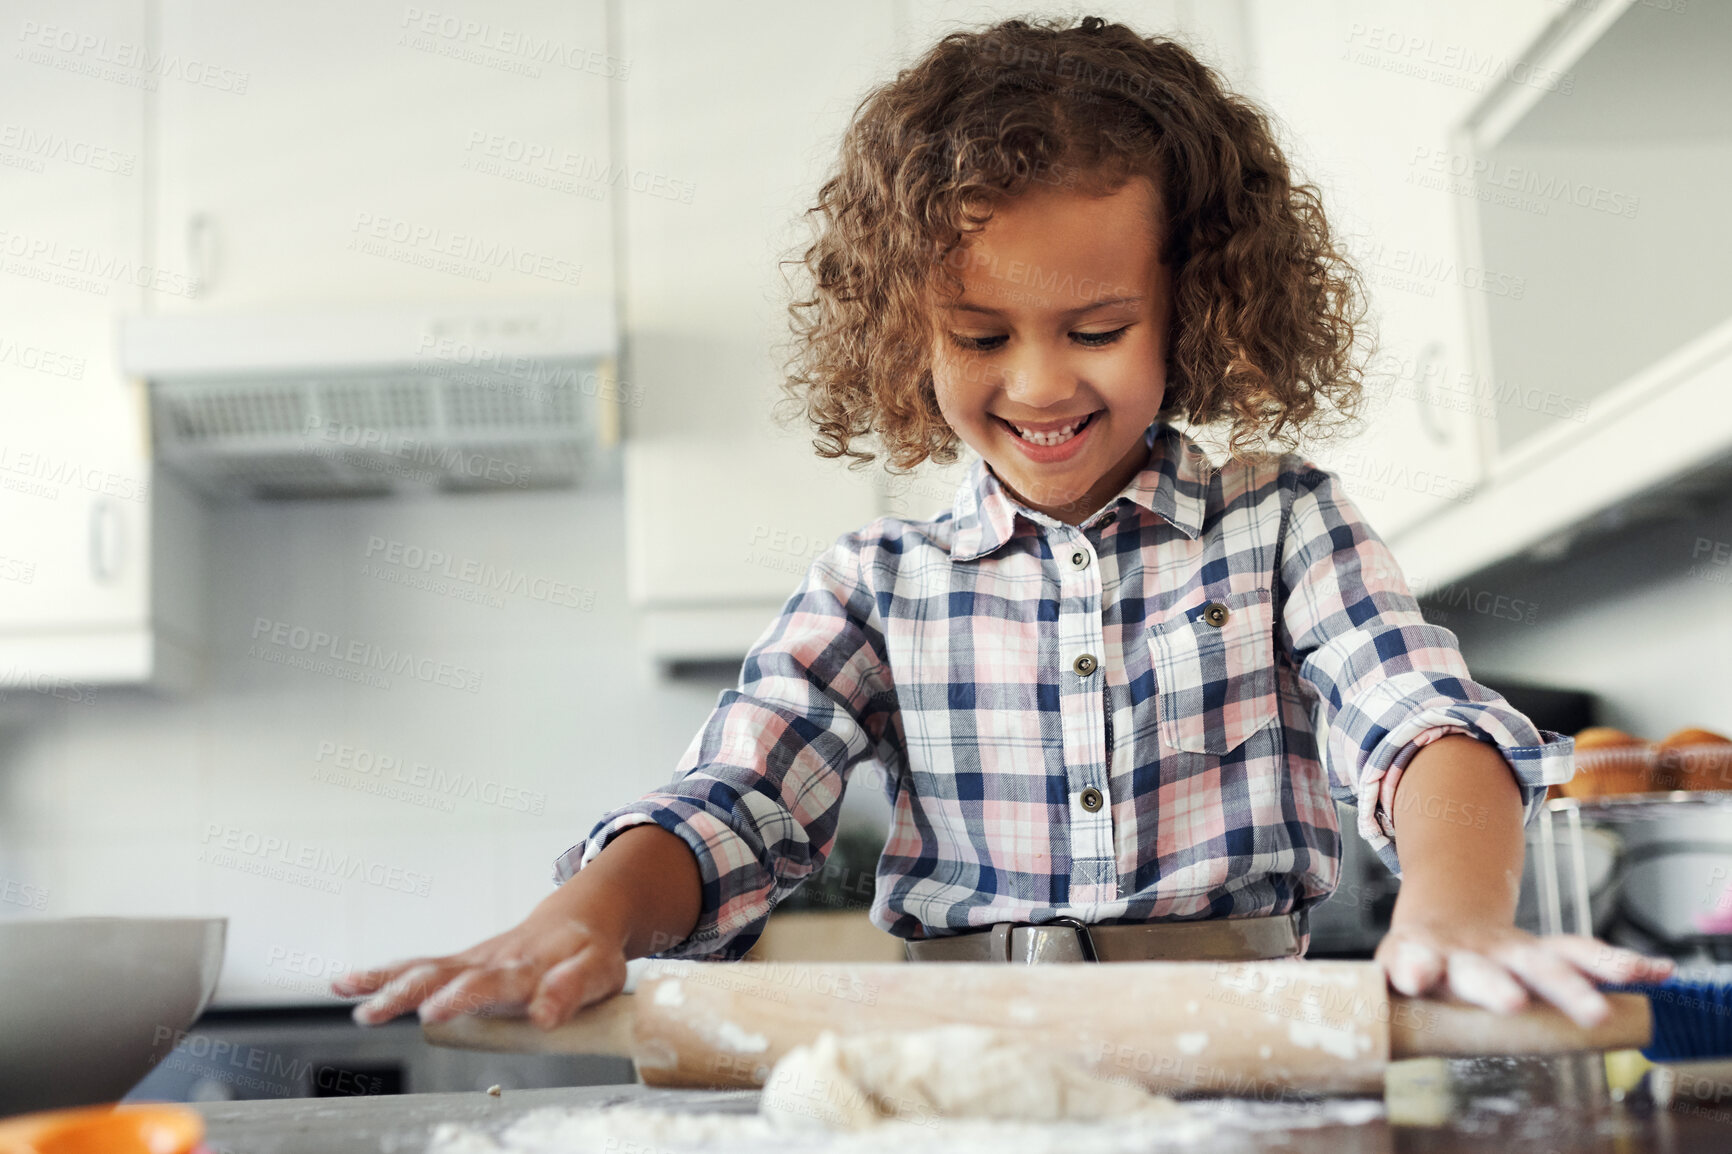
1038 379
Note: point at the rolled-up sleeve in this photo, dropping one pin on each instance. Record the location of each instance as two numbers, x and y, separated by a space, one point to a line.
1386 681
758 792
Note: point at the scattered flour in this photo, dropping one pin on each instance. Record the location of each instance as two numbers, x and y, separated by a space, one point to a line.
730 1037
640 1130
1342 1041
952 1090
635 1130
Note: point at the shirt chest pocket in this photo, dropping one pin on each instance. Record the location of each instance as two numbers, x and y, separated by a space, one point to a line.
1214 667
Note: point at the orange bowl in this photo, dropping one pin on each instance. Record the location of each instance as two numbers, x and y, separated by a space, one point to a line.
144 1128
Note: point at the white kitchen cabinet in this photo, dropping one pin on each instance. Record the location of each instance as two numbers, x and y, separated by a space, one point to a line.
372 152
75 511
88 594
743 106
99 588
724 513
1366 96
720 533
1601 170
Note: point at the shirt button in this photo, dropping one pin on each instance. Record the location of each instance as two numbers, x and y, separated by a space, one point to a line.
1107 519
1091 799
1084 664
1215 614
1079 560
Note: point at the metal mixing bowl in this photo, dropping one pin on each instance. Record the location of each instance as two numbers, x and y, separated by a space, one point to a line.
89 1005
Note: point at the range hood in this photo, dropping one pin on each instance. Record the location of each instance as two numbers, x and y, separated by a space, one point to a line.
459 397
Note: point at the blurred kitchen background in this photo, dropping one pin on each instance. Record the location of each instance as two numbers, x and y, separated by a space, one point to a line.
388 483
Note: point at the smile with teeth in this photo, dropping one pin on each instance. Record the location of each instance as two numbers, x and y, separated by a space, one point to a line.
1050 437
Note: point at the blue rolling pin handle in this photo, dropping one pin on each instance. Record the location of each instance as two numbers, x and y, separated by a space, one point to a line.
1692 1020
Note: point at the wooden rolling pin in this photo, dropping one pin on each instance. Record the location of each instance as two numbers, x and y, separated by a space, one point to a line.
1225 1028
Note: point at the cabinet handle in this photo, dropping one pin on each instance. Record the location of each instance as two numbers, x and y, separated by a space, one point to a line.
107 541
202 251
1429 418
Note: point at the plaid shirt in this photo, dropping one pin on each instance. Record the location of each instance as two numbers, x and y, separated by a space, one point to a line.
1115 722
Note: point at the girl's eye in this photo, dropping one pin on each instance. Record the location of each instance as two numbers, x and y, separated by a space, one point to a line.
1096 340
992 344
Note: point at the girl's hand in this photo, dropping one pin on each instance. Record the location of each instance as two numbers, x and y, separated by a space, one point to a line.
552 966
1501 967
640 895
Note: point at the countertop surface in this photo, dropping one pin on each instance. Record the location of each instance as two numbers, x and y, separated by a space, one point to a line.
1557 1106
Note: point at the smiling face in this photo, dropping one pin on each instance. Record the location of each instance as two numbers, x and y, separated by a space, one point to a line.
1051 362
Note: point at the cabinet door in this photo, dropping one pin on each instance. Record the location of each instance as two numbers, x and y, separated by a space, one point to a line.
364 151
784 508
743 105
1367 95
74 506
74 553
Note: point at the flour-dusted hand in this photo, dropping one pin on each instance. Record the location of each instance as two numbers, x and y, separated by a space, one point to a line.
1458 824
640 895
550 966
1503 968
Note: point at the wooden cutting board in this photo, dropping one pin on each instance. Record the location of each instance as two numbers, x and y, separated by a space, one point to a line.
1197 1027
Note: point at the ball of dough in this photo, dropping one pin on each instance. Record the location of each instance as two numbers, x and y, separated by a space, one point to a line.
952 1071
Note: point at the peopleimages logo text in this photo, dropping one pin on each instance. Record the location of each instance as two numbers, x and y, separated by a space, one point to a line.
92 49
481 574
41 145
365 654
293 853
461 246
426 456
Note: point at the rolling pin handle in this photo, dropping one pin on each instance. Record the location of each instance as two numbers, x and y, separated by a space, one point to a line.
1426 1028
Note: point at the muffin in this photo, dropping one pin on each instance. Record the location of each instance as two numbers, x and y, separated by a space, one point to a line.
1697 759
1609 762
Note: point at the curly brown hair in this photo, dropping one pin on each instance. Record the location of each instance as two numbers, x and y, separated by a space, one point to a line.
1265 306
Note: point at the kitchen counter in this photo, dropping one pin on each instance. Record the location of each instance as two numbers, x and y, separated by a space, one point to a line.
1558 1107
402 1123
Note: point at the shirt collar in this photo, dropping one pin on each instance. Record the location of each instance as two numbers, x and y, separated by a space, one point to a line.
1173 484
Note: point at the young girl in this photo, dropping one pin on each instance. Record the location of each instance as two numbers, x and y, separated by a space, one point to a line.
1115 689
